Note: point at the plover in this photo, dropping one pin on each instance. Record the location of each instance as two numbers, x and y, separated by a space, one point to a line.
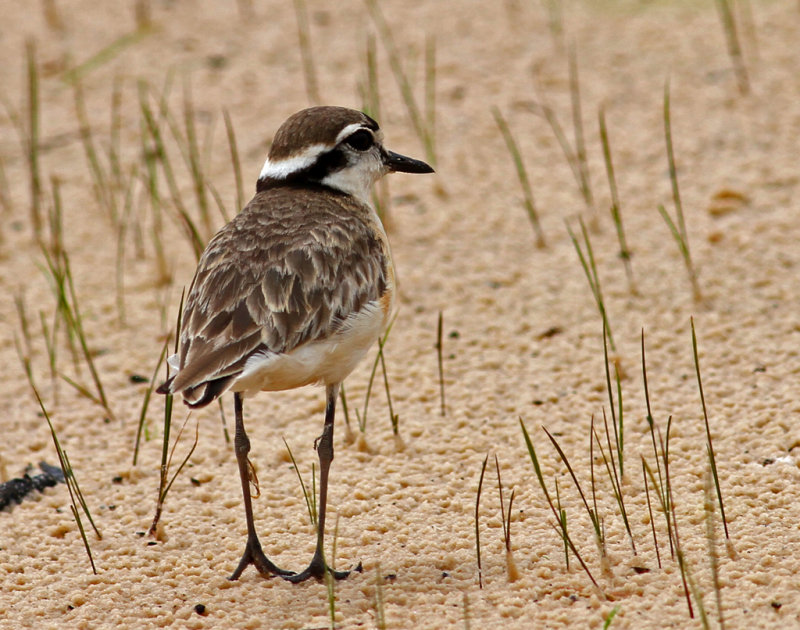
294 290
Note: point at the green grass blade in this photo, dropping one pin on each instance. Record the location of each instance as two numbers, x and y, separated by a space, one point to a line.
73 481
146 401
590 270
185 459
103 56
734 48
69 475
592 513
235 161
403 83
304 36
312 513
439 350
362 419
522 175
678 231
77 323
616 215
561 532
168 405
477 520
577 123
611 616
709 443
650 512
33 131
105 197
393 418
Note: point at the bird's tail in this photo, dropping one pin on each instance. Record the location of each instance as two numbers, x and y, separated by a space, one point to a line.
199 395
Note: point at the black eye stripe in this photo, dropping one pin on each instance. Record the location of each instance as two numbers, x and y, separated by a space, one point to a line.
360 140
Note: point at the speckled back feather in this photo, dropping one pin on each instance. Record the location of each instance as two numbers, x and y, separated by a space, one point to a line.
289 269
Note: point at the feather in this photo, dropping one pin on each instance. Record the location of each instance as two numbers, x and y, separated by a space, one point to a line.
290 269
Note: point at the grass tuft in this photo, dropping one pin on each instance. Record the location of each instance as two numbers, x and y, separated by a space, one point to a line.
346 412
157 152
614 477
466 612
581 161
561 529
165 456
59 274
164 485
6 204
362 417
418 121
104 55
304 37
235 161
380 614
75 495
505 516
100 180
671 512
711 542
430 92
592 512
555 23
728 22
624 251
76 324
33 131
709 444
394 418
650 512
617 421
142 427
477 520
522 176
439 350
590 270
610 618
311 503
562 525
678 230
660 486
190 149
122 231
371 105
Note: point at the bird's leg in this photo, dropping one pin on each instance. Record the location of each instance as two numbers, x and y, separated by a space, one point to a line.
324 446
253 553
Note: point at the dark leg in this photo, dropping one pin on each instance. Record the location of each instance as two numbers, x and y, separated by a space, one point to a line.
324 446
252 552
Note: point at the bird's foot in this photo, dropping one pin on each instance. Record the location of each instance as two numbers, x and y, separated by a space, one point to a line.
317 570
253 554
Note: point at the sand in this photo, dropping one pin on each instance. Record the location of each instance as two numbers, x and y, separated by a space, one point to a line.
522 334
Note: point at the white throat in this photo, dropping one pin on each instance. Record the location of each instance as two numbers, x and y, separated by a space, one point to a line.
356 181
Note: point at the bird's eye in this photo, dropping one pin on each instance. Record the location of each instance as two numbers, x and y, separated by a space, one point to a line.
361 140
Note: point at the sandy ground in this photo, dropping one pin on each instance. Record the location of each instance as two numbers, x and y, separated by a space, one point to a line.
523 338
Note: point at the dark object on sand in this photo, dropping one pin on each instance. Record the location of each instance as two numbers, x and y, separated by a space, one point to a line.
14 490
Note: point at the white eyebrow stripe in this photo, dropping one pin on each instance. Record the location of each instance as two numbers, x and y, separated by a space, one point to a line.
353 127
281 169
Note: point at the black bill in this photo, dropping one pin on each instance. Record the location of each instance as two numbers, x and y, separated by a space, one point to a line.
402 164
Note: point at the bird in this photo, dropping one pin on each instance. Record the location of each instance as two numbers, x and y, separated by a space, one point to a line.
293 291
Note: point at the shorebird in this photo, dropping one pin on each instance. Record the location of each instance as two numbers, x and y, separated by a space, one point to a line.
294 290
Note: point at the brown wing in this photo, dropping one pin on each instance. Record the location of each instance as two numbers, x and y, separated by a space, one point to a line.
288 270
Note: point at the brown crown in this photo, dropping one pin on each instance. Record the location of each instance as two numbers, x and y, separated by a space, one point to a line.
315 125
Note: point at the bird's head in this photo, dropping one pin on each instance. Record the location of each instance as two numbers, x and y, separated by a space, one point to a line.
336 147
